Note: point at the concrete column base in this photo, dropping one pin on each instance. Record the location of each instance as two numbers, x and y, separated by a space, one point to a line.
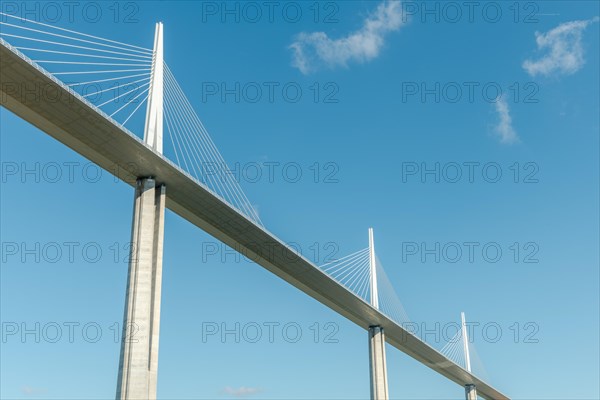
377 364
138 363
471 392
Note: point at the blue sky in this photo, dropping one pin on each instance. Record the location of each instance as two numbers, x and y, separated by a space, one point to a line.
367 131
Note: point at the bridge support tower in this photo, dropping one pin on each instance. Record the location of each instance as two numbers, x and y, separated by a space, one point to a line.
377 361
138 364
470 389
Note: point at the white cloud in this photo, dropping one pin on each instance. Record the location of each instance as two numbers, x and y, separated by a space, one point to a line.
32 391
564 50
312 50
504 128
241 391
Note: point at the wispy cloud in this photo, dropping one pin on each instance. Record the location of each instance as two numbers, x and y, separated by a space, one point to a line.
31 391
311 51
241 391
504 129
564 52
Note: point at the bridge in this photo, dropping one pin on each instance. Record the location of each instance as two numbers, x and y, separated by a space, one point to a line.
194 186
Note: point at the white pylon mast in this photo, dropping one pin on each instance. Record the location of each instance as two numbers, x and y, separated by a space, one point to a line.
153 132
465 342
373 265
377 362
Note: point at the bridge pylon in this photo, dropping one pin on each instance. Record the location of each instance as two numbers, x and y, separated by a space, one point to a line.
377 361
470 389
138 364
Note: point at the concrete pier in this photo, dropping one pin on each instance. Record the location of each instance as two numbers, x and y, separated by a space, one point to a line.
377 365
138 364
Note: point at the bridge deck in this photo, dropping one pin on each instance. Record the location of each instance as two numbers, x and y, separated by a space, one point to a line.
70 119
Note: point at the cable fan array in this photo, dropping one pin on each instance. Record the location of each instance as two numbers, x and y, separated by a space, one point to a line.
114 76
455 351
196 153
389 302
354 273
477 366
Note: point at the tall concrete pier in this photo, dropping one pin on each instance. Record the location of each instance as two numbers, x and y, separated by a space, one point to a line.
377 362
138 365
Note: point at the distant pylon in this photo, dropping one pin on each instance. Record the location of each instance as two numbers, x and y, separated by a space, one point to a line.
373 269
377 360
470 389
465 341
